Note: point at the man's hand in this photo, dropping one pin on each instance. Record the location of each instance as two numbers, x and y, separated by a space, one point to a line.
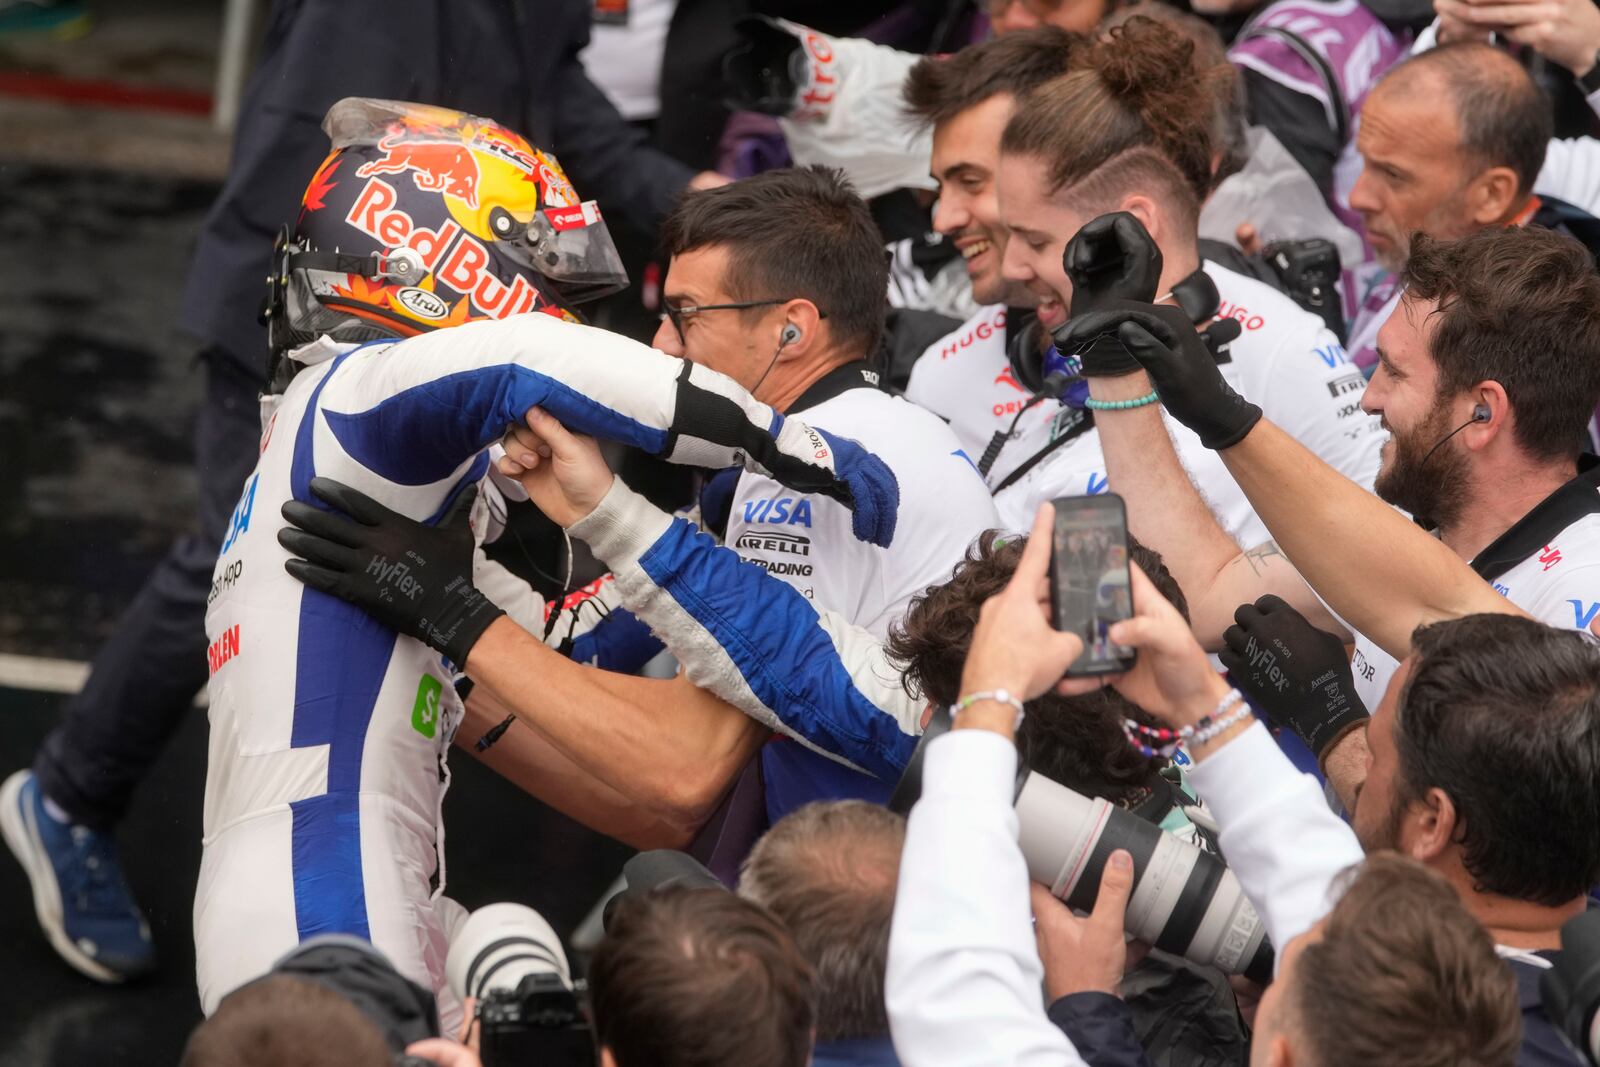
444 1053
709 179
564 473
1564 31
1297 675
1112 258
414 579
1181 367
1086 955
1014 646
1172 677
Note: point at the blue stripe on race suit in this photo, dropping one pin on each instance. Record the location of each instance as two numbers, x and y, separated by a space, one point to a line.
411 437
619 642
771 634
341 658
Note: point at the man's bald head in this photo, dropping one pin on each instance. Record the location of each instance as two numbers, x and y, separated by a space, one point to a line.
1503 119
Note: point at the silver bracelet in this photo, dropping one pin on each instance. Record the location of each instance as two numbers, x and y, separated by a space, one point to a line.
999 696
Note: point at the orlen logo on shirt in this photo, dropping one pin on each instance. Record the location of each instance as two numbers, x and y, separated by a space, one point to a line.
223 648
784 509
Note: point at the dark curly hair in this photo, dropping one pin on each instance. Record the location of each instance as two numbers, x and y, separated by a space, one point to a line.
1077 741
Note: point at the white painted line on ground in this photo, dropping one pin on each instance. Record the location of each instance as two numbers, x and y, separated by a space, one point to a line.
44 675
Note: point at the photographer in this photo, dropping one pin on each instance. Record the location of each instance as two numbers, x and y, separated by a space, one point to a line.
700 978
960 913
1182 1013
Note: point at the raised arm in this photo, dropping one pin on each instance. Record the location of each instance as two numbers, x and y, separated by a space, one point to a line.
1168 514
744 635
1376 569
404 422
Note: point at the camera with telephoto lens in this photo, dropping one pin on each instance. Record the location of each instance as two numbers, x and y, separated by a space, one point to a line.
1570 989
1185 901
530 1012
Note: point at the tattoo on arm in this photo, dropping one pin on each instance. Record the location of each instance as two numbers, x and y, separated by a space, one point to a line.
1260 556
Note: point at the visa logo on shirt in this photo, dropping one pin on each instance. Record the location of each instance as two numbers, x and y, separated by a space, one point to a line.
1583 613
778 510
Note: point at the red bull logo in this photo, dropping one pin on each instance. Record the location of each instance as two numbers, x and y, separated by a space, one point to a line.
455 258
435 166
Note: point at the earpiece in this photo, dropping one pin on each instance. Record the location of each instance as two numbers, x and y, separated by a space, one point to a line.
1481 413
791 334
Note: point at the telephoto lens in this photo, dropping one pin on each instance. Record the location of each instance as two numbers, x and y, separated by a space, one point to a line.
1570 989
1184 901
528 1011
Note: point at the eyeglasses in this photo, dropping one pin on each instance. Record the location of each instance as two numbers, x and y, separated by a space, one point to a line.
676 315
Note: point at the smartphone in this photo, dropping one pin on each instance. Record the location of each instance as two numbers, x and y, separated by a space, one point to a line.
1090 587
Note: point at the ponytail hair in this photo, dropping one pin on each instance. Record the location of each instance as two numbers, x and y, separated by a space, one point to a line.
1137 112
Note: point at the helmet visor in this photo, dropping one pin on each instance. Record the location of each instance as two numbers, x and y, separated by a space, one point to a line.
573 249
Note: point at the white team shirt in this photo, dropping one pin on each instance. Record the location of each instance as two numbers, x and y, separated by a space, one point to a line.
1286 360
807 541
1559 585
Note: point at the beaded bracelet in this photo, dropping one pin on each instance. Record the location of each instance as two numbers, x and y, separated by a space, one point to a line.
1202 729
1215 729
999 696
1120 405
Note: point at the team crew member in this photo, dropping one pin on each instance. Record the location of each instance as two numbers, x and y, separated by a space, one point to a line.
329 732
776 281
966 100
1100 140
1489 373
1072 149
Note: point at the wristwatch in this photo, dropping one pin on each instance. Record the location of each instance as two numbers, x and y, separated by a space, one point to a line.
1591 80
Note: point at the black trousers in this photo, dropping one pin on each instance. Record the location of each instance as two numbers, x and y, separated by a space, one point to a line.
144 679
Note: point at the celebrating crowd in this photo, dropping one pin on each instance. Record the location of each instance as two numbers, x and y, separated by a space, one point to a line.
1269 336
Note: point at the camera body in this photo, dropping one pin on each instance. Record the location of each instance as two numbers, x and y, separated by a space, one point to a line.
530 1012
1308 270
540 1021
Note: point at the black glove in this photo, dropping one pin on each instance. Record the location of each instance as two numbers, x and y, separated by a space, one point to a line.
765 69
1295 674
1184 371
413 578
1112 258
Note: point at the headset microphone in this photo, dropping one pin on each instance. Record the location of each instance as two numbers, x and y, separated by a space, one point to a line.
791 333
1480 413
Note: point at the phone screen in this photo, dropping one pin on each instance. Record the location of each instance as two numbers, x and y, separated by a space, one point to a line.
1090 588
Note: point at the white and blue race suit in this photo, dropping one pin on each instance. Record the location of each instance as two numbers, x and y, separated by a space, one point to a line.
1285 359
805 540
326 768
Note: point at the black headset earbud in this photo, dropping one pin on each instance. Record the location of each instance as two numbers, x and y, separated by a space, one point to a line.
790 334
1481 413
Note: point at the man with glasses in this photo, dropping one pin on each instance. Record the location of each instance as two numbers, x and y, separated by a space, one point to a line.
778 282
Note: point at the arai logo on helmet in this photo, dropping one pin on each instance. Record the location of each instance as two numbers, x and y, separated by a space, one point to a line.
422 303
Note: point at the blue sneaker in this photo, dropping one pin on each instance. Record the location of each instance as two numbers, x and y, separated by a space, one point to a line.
79 894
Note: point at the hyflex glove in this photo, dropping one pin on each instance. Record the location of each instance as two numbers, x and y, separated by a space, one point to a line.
413 578
1295 674
1184 371
1112 258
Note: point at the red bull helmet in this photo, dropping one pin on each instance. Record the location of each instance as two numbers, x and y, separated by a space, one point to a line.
421 218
